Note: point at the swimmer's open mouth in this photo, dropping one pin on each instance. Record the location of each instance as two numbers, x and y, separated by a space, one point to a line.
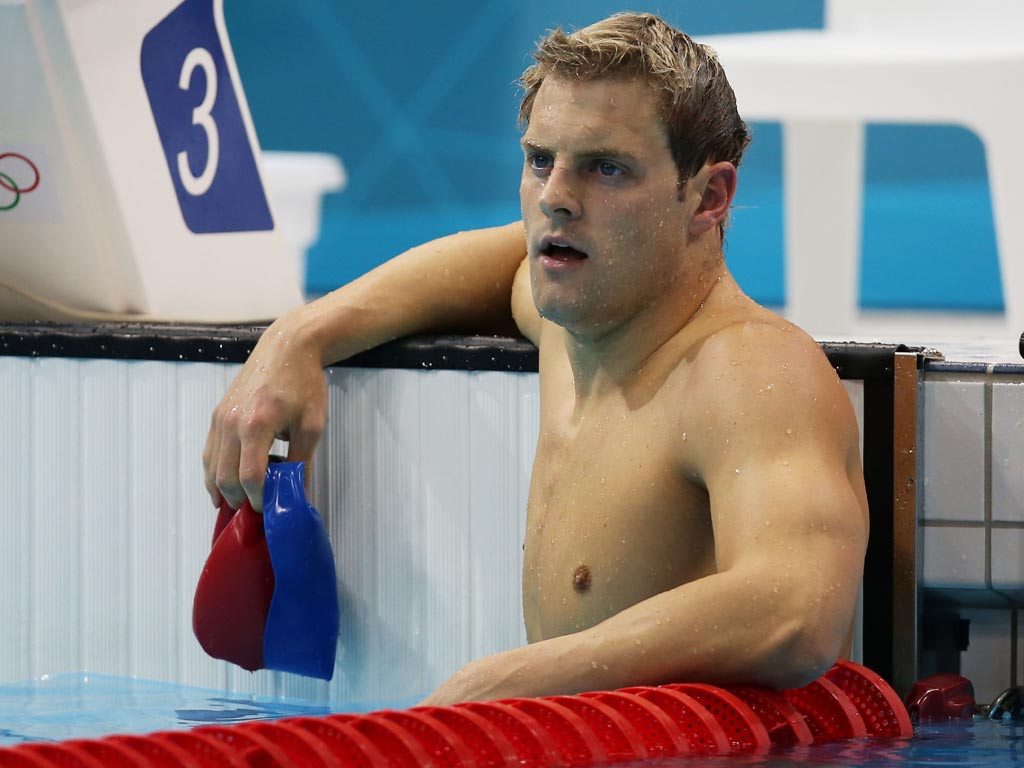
562 250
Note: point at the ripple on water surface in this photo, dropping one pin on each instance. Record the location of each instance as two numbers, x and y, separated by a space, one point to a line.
76 705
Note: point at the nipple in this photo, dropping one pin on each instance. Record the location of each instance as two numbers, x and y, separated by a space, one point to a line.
581 579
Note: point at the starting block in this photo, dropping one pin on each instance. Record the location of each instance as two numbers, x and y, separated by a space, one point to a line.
130 181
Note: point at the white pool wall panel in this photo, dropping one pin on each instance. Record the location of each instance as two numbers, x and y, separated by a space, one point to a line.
973 514
422 478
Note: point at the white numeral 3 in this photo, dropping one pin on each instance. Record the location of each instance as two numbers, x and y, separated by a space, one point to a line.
197 185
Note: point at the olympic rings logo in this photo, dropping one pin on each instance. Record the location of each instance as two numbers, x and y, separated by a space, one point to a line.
8 182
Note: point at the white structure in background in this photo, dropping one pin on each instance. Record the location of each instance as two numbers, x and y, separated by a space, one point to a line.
296 182
912 61
129 168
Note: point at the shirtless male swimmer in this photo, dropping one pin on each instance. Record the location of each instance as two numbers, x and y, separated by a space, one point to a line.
704 445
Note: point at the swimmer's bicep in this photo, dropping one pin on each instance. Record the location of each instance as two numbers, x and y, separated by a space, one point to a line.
777 476
796 538
801 504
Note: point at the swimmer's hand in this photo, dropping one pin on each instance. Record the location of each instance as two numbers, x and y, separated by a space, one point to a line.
279 393
511 674
480 680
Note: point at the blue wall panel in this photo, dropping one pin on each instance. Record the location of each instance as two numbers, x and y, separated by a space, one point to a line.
419 101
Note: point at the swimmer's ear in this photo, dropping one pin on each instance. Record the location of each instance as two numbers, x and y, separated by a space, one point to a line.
717 185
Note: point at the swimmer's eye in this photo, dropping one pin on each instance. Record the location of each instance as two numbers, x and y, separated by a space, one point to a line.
539 161
606 168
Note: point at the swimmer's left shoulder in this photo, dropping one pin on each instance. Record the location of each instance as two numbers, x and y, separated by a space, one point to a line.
760 337
762 372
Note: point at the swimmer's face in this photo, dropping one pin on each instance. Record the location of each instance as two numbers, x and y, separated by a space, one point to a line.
605 218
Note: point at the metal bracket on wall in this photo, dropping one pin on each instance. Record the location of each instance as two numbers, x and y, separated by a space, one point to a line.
892 566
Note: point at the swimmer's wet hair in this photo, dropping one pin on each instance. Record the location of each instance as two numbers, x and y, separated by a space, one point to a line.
697 103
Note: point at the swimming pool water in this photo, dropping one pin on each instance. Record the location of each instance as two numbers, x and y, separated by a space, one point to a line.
979 743
90 706
80 705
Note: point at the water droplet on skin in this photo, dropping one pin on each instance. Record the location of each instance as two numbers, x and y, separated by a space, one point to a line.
738 470
785 462
684 437
789 430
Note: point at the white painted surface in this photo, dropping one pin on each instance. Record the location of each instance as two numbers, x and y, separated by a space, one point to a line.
954 558
913 61
114 238
954 450
1008 559
1008 451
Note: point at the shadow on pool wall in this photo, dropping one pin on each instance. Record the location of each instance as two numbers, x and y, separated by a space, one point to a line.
422 112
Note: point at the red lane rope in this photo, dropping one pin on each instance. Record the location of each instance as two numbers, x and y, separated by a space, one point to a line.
599 728
829 713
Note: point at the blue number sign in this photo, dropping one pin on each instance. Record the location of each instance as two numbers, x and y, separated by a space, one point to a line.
200 124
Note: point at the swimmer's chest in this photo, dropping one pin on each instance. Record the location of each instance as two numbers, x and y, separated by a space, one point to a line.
611 519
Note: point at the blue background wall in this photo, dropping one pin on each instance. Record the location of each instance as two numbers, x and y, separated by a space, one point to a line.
419 101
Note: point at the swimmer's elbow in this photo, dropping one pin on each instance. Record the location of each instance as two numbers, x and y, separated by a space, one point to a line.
806 650
810 658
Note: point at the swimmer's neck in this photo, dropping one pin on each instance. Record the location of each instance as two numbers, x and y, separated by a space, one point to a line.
610 361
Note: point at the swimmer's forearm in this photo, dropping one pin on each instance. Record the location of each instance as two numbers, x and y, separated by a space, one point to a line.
457 283
726 628
767 626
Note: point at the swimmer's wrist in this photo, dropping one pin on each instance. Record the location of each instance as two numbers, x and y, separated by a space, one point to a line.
330 330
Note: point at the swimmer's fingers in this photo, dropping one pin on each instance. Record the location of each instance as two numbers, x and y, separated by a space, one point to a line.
228 451
254 455
210 455
302 447
241 435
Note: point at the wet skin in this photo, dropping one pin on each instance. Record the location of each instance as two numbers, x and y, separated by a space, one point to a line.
697 507
662 384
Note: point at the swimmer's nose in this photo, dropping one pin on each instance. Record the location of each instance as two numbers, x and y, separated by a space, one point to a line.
558 200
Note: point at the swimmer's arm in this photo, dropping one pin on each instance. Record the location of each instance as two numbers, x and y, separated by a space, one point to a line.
777 617
459 283
790 532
